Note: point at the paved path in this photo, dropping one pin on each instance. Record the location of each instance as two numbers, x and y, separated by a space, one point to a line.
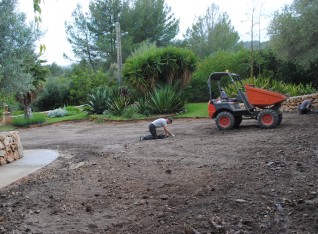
32 161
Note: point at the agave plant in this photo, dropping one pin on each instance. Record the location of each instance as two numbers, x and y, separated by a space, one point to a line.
120 99
166 99
141 106
117 105
98 101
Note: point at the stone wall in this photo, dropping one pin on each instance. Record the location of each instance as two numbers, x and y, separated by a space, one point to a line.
10 147
292 103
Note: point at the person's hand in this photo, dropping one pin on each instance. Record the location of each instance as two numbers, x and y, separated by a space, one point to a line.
172 135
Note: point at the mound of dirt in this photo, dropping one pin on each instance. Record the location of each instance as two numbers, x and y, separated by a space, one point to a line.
246 180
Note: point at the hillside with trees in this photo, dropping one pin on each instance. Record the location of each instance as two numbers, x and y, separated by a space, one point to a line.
146 29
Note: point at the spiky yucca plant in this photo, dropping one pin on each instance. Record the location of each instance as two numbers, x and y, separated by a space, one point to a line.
165 100
98 101
120 99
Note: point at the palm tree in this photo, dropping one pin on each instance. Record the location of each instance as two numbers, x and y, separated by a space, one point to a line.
33 66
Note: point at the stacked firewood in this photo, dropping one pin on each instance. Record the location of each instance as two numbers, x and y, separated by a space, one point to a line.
292 103
10 147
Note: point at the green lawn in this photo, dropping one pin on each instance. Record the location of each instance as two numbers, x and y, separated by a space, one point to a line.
195 110
7 128
80 116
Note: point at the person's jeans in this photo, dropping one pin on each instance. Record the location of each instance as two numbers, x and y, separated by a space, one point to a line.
153 131
304 111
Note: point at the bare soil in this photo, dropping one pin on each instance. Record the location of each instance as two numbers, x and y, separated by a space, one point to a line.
246 180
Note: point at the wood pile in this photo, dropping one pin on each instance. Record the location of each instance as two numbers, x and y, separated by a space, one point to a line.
10 147
292 103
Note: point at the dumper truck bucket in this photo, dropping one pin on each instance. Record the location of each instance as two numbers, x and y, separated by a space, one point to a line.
262 98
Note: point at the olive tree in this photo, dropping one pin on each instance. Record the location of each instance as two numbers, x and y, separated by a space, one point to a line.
20 68
293 33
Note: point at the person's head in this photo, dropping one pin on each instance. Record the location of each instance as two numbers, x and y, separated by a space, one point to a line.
169 121
312 99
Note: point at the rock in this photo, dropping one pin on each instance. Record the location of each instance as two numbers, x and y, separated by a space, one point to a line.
240 201
77 165
10 147
164 197
88 208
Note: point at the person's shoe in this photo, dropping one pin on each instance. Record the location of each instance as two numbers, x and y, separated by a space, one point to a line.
141 138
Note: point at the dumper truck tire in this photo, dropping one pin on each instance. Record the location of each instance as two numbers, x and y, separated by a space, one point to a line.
238 120
280 116
225 120
268 118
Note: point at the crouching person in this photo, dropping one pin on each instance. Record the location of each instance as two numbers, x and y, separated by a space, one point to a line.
158 123
306 105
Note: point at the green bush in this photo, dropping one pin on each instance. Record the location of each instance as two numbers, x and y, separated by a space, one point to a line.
197 90
72 110
21 121
56 93
236 62
17 112
166 65
84 80
10 100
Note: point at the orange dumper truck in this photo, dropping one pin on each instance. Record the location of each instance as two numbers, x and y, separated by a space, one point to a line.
251 102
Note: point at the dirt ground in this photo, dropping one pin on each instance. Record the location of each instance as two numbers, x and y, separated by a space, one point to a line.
246 180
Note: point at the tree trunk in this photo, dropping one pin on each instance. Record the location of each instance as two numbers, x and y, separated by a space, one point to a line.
27 105
28 112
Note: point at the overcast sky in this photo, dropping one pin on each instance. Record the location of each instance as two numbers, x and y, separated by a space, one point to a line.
56 12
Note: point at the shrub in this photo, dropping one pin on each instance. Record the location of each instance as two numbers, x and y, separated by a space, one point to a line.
72 110
164 65
84 80
21 121
17 112
236 62
57 113
56 93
